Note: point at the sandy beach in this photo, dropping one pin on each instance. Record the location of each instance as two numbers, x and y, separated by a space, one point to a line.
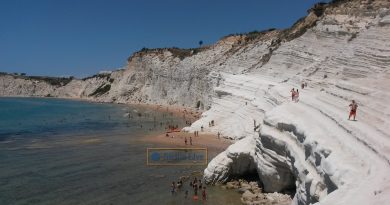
177 139
204 140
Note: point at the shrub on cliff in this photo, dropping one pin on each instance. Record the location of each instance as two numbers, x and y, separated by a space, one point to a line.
101 90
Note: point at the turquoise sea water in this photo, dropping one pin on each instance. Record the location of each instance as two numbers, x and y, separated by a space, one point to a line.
55 151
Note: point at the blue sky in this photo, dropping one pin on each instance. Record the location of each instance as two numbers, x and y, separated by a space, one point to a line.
82 37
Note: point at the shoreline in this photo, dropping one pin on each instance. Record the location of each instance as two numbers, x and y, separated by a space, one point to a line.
204 140
193 113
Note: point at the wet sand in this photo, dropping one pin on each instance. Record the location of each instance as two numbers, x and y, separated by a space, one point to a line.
184 112
204 140
176 139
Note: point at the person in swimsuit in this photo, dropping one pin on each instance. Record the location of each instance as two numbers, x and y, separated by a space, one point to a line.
353 106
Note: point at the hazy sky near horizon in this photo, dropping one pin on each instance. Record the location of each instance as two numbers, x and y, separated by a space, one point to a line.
82 37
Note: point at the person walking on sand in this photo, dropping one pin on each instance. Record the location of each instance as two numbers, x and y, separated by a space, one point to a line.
185 140
219 135
190 140
353 107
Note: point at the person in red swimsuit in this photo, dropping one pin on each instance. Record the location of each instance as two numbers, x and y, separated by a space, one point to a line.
353 107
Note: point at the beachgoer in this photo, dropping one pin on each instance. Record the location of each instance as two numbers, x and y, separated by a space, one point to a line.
185 140
186 194
219 135
292 94
201 128
353 107
195 197
204 195
196 190
302 85
173 188
190 140
296 97
179 184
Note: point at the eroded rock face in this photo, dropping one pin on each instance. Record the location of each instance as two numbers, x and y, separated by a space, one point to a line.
235 161
250 155
311 143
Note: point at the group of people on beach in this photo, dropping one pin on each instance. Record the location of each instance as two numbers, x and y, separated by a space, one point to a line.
172 127
196 185
188 122
196 133
185 140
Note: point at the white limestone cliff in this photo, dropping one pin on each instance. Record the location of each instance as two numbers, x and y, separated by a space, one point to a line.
243 83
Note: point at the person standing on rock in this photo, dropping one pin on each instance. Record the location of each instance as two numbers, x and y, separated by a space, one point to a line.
292 94
353 106
296 97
